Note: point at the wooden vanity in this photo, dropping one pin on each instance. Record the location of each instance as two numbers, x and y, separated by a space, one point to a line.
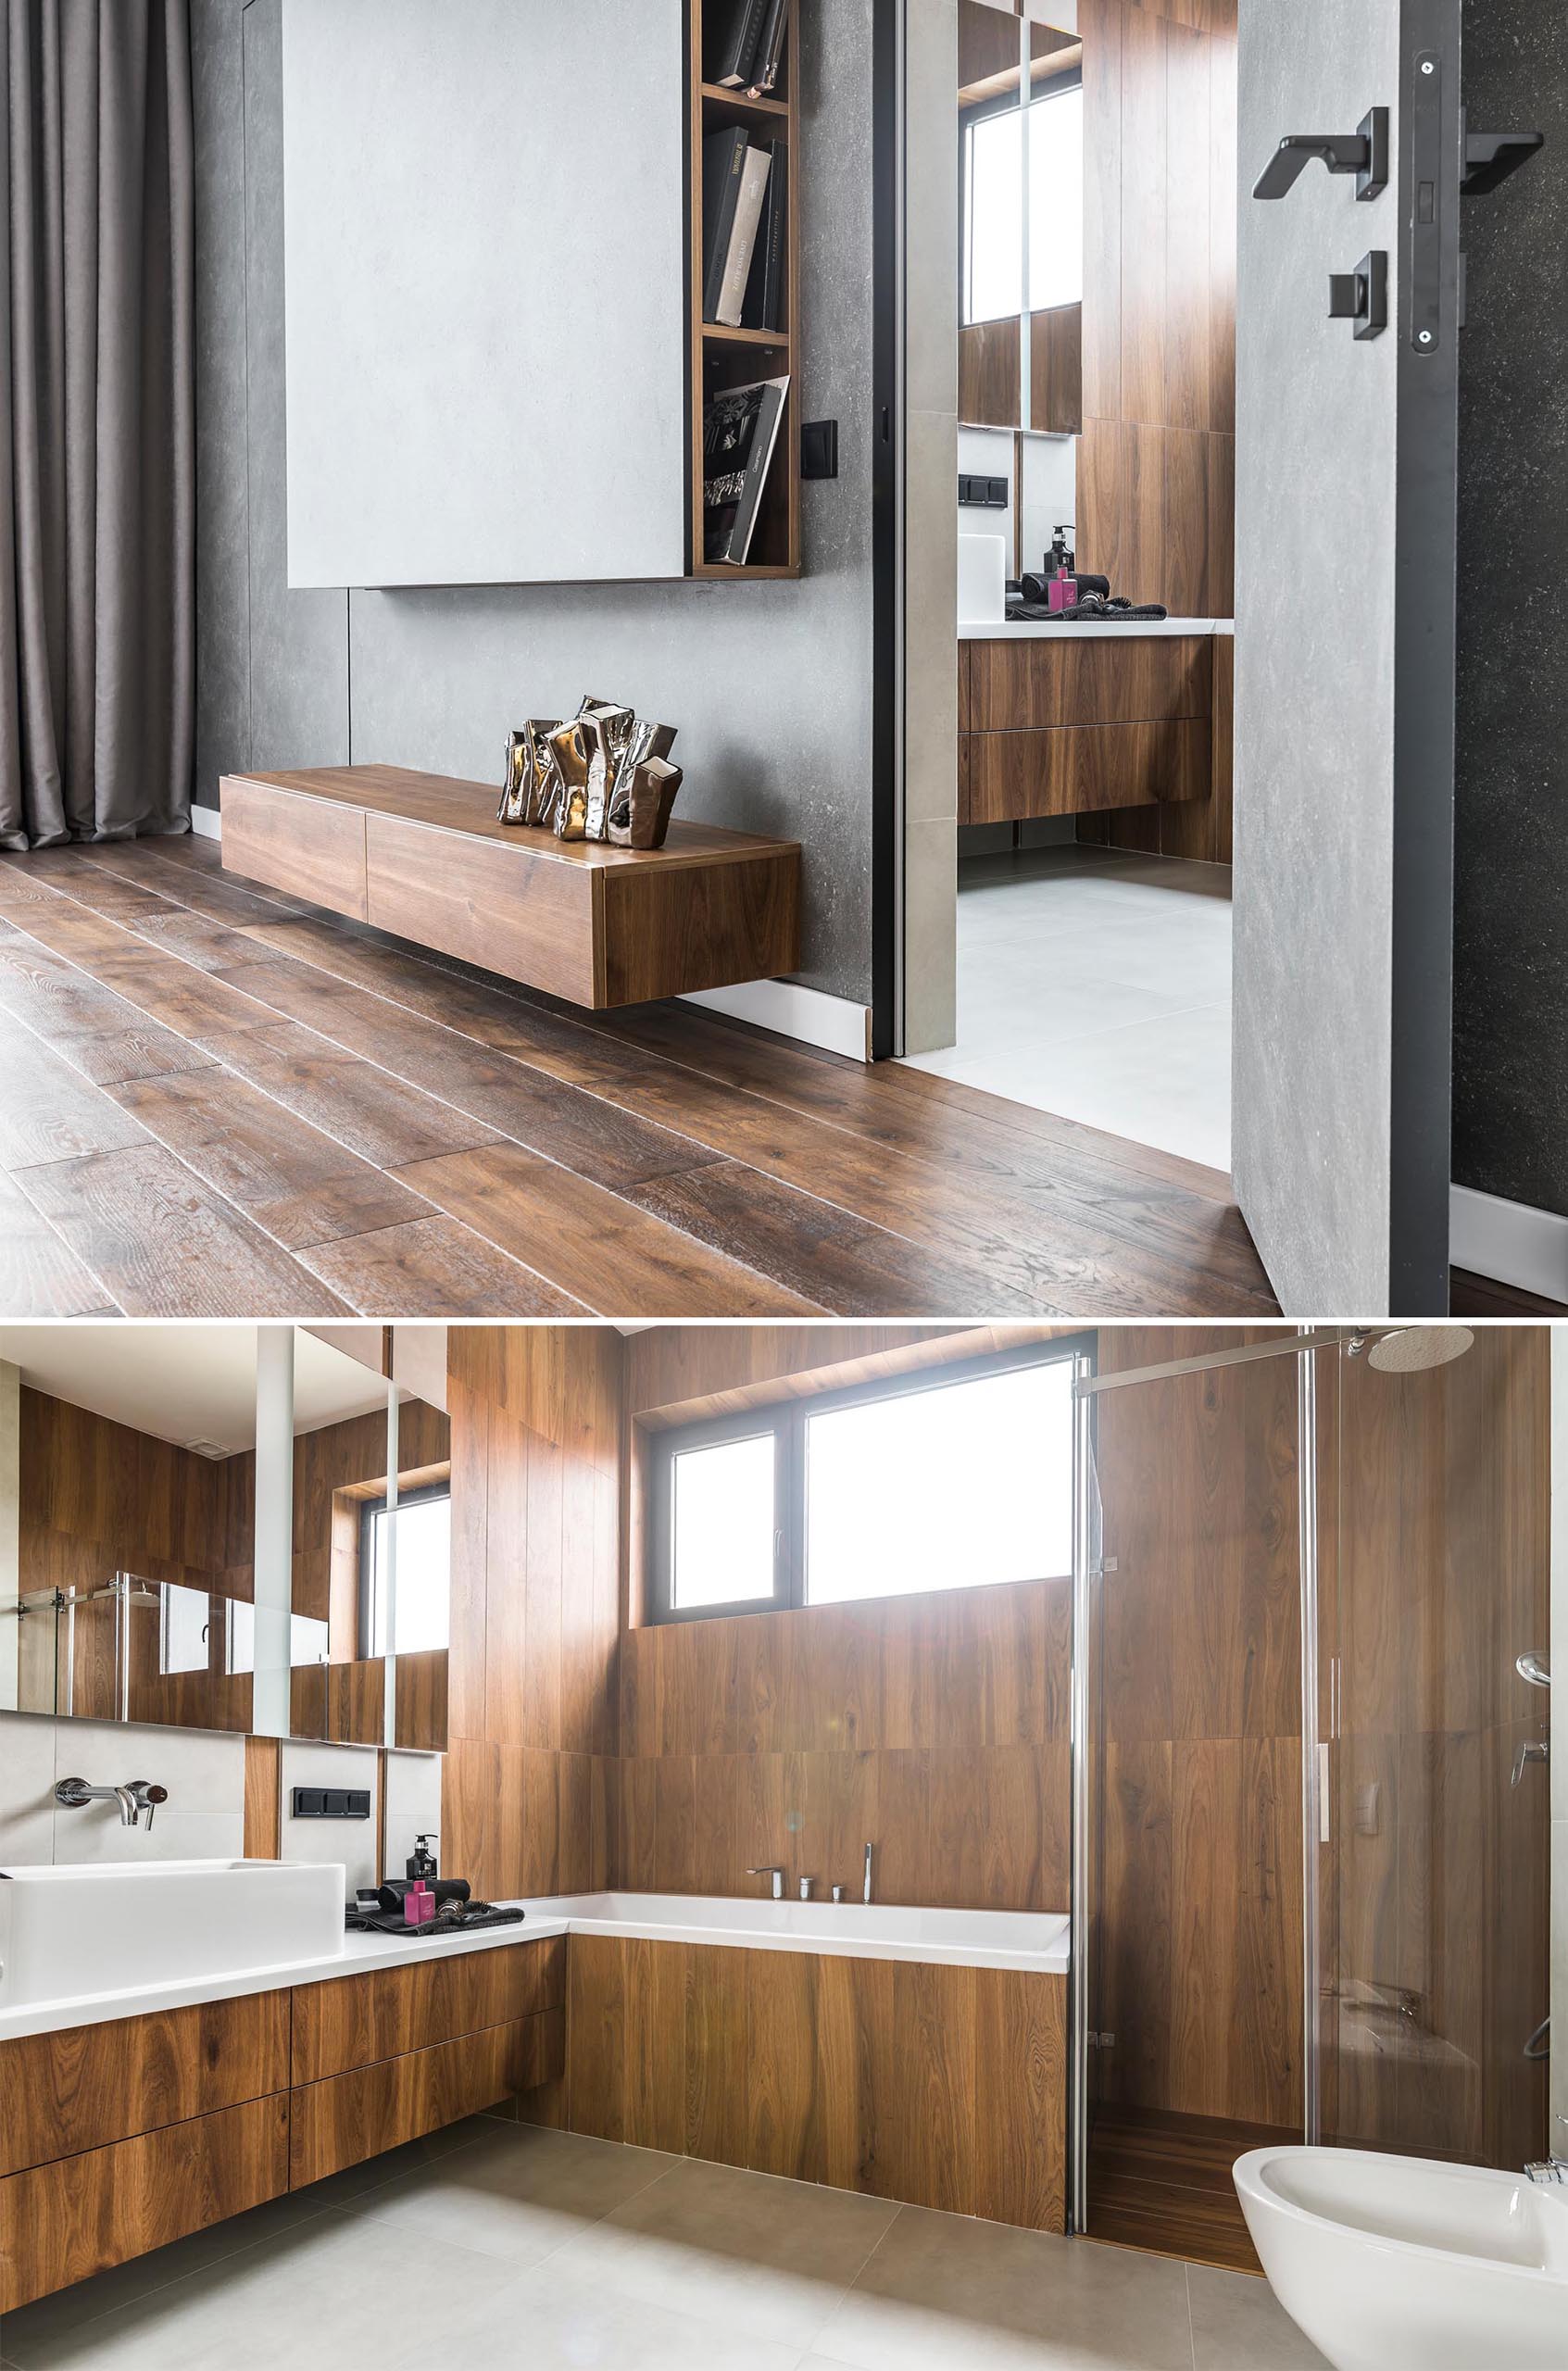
116 2138
1060 724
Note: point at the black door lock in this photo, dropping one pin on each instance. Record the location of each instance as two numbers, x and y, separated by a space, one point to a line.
1363 152
1361 295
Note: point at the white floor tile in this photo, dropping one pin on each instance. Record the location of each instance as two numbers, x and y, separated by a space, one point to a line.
1097 987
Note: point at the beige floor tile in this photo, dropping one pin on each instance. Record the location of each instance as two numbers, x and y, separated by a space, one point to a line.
770 2259
516 2192
546 2321
1239 2325
941 2291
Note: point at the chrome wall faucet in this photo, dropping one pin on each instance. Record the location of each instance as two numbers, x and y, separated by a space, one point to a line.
777 1875
75 1794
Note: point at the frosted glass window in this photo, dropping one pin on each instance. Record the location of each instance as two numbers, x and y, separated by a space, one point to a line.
994 219
725 1524
240 1652
1056 200
954 1487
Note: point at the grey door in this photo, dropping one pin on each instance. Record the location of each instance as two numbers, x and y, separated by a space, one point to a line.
1346 456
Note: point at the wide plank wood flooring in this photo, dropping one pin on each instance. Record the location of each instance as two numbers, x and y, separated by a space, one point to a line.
216 1101
1162 2183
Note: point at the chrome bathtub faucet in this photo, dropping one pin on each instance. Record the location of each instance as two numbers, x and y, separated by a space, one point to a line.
778 1877
865 1888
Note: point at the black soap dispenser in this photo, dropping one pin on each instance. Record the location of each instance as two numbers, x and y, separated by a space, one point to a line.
421 1861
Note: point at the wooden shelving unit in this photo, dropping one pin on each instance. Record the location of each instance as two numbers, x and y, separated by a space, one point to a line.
724 358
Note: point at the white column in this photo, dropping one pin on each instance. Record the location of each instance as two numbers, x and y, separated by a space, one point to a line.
274 1527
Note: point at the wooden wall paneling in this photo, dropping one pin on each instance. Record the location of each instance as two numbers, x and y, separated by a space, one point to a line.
596 2029
506 1594
424 1721
66 2092
62 2223
541 1582
1056 370
675 1374
717 2055
1144 185
263 1807
1189 271
342 2121
1020 2092
1223 209
1133 1960
1101 22
990 373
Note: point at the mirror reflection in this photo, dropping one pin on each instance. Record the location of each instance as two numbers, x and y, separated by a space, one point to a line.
127 1493
1022 168
371 1558
128 1542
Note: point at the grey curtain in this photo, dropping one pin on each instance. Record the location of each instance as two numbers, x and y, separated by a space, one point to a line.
97 442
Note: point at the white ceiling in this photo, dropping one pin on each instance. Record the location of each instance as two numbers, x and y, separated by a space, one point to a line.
187 1383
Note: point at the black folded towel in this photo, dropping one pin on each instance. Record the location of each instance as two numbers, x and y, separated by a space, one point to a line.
1095 608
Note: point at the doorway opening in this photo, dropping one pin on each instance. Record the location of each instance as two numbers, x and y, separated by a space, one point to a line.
1095 256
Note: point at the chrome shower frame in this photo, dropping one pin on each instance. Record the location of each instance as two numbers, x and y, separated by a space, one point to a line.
1089 1569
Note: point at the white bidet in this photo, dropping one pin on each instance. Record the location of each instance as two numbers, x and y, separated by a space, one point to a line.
1400 2264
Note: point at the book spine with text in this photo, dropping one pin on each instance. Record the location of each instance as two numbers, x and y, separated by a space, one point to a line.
743 237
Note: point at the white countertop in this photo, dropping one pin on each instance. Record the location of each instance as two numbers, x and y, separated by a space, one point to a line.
360 1955
1089 629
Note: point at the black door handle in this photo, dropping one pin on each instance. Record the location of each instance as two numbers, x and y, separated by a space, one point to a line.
1363 152
1490 156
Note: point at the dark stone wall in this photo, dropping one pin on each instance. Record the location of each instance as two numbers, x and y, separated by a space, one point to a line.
1510 985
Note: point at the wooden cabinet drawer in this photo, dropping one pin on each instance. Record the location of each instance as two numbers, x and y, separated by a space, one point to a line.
1022 686
63 2092
1078 770
355 2020
502 907
61 2222
304 845
357 2116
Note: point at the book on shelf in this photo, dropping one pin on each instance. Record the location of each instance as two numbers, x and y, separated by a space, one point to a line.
735 187
740 432
732 40
763 307
768 63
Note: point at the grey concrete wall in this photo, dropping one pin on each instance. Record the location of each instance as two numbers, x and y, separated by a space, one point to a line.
1511 947
770 684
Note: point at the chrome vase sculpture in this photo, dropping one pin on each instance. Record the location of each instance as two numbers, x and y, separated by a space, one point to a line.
603 774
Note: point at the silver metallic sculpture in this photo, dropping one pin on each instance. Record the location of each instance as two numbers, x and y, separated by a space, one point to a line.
602 775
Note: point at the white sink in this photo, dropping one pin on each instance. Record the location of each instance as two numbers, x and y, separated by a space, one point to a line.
69 1931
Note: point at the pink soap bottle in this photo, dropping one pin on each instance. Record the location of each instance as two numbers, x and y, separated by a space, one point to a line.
1062 590
419 1904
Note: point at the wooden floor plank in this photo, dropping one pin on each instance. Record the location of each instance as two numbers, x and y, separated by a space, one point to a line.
48 1112
590 1134
165 1245
40 1276
661 1161
610 1256
1151 1216
298 1184
375 1115
97 1032
431 1269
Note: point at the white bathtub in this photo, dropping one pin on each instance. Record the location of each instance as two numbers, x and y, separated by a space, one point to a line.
1036 1942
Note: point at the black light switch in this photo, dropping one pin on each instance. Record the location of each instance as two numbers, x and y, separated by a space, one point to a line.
332 1803
819 448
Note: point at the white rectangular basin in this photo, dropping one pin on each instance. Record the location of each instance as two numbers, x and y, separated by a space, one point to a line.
65 1932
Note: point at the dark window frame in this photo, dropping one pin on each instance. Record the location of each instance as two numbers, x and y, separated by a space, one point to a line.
368 1510
784 1422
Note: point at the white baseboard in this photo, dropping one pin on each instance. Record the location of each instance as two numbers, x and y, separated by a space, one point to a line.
205 822
1509 1242
832 1023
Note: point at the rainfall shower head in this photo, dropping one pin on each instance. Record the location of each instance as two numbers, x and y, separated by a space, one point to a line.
1411 1349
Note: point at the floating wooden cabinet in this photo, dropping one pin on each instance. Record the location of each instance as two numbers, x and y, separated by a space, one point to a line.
82 2214
1083 725
358 2115
63 2092
942 2087
423 858
354 2020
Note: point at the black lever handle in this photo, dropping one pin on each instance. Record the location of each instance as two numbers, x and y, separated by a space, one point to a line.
1490 156
1363 152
